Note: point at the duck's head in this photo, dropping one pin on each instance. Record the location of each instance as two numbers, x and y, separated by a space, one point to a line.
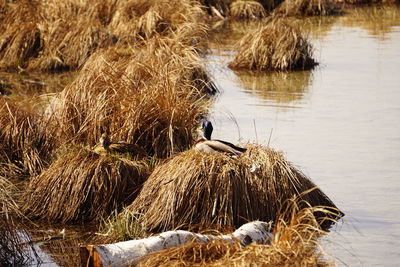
207 129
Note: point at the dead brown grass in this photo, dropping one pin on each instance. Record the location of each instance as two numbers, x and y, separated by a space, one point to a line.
51 35
308 8
203 191
23 136
276 46
247 10
83 186
149 96
295 243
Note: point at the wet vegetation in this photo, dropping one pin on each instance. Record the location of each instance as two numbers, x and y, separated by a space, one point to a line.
72 71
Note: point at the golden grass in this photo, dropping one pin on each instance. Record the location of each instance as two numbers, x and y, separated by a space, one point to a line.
24 139
50 35
83 186
308 8
278 45
150 96
295 243
201 191
247 10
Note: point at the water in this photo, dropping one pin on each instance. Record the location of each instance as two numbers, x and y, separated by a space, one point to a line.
339 123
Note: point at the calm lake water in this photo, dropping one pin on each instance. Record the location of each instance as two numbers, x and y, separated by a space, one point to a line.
339 123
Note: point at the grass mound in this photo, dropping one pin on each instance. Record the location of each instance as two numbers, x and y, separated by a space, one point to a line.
247 10
295 243
83 186
198 190
309 8
24 140
149 96
275 46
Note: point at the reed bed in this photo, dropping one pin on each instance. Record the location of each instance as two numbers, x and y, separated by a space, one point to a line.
247 10
49 35
303 8
150 96
277 46
205 191
25 142
83 186
295 243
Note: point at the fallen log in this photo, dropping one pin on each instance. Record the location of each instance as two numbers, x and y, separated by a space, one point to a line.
133 251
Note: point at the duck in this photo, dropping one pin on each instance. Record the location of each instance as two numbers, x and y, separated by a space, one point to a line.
106 146
208 145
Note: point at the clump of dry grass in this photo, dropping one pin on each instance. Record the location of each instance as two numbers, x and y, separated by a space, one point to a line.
149 96
275 46
198 190
295 243
24 139
247 10
83 186
308 8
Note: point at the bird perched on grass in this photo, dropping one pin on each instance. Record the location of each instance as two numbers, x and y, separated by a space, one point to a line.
208 145
106 146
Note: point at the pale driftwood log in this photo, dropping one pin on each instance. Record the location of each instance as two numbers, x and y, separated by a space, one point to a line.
133 251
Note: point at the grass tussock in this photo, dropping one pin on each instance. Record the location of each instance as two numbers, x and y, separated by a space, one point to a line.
149 96
247 10
56 36
295 243
203 191
275 46
24 140
303 8
83 186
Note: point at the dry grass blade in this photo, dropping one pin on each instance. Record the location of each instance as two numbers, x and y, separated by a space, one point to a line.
247 10
275 46
82 186
198 190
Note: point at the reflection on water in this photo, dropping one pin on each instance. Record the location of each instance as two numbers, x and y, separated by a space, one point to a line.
275 87
345 130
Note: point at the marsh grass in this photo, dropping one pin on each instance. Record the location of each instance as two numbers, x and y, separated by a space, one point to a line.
277 46
41 37
295 243
247 10
150 96
202 191
303 8
83 186
24 139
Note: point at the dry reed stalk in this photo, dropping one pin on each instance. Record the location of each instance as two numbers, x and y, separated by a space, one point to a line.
150 96
23 136
247 10
295 243
83 186
198 190
275 46
308 8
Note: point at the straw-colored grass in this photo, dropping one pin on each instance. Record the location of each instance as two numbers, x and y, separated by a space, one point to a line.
83 186
295 243
150 96
275 46
51 35
308 8
24 139
202 191
247 10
